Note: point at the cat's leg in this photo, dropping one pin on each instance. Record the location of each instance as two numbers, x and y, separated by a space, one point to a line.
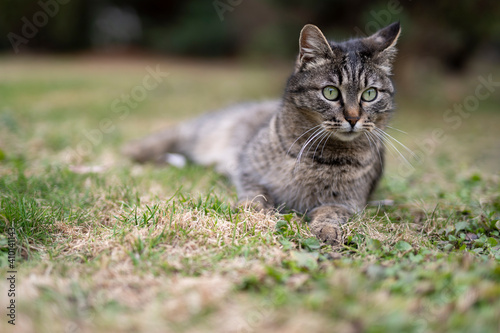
259 201
255 196
154 147
326 220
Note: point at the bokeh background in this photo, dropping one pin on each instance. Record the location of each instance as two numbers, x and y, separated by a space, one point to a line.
444 48
450 34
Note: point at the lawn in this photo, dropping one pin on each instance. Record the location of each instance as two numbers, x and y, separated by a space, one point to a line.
104 245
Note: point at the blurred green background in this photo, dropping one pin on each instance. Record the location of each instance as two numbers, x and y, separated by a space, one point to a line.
452 34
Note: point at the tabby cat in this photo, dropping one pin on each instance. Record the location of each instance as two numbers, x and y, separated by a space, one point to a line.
318 150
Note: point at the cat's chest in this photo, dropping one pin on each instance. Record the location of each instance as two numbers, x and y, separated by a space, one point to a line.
304 185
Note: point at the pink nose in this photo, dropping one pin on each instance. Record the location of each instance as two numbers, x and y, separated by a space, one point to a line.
352 120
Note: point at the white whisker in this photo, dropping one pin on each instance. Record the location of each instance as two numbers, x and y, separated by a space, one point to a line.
309 140
402 145
392 149
324 144
325 135
369 141
396 129
386 143
319 136
373 144
309 130
379 133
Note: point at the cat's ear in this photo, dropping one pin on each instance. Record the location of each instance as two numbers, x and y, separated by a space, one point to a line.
313 45
382 44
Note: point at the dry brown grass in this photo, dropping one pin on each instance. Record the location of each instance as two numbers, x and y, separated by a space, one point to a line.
149 292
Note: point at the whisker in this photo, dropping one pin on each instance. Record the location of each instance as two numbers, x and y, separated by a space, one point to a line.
384 142
319 136
309 140
324 144
402 145
325 135
369 141
309 130
373 144
387 140
396 129
378 150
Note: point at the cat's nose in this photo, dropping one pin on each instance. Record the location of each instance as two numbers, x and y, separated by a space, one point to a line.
352 120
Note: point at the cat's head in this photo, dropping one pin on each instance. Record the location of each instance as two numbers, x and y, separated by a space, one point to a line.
345 86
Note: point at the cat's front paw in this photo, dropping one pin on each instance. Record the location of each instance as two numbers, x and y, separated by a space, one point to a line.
326 221
258 204
329 233
134 151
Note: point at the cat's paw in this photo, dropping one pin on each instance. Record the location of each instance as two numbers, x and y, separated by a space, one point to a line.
133 151
329 233
258 204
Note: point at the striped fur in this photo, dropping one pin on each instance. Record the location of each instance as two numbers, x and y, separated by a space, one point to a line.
305 152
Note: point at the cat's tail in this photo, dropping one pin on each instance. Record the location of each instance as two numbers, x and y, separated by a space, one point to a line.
154 147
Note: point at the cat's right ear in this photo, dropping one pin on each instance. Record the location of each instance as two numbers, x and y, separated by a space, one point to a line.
313 45
382 45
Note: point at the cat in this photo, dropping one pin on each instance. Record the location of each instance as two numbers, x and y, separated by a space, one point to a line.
318 151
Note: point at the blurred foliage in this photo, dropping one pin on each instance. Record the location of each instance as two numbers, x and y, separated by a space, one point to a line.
196 30
451 32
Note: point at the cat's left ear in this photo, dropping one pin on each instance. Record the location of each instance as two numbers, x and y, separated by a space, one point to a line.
382 44
313 45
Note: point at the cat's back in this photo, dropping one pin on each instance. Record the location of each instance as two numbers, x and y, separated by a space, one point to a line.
218 137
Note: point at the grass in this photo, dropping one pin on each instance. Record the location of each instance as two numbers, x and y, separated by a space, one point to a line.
104 245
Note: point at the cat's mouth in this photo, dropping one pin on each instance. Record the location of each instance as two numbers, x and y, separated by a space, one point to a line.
347 135
342 132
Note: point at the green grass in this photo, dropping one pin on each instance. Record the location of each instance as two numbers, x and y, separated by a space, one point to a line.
137 248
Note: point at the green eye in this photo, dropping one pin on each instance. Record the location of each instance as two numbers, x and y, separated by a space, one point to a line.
331 93
369 95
